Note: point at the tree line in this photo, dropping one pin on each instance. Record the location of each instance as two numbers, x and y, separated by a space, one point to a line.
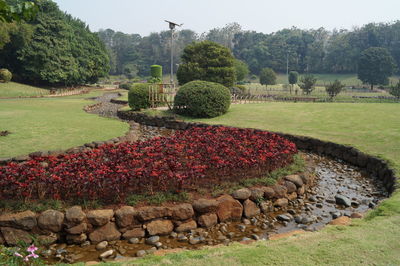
51 48
304 51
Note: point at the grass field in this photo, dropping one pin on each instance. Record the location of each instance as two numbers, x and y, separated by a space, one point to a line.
373 128
12 89
52 124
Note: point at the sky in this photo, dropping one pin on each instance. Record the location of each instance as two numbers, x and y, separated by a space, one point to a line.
146 16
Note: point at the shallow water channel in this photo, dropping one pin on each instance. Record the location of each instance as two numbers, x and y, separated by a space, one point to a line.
315 210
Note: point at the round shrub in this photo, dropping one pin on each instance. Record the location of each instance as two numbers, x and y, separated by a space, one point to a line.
138 96
202 99
5 75
125 86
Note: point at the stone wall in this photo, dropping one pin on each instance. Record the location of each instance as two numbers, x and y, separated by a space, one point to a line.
74 226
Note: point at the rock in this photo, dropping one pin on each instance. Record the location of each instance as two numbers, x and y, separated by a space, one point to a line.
182 238
102 245
291 187
13 236
269 193
242 194
150 213
301 191
134 240
292 196
342 200
250 209
205 205
255 237
185 227
308 219
152 240
208 220
51 220
160 227
265 207
47 239
77 230
356 215
280 191
241 227
195 240
284 217
100 217
107 232
229 209
158 245
125 217
283 202
343 220
182 212
23 220
74 215
257 194
296 179
85 244
76 239
141 253
134 233
107 254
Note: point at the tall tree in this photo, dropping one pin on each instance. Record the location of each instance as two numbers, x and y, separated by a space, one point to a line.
375 66
293 78
307 83
267 77
241 70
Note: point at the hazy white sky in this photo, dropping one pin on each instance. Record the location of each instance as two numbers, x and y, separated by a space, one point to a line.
145 16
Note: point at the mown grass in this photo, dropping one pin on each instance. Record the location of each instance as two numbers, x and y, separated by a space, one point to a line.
13 89
373 128
52 124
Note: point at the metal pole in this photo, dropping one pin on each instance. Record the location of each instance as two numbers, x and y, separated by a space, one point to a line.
287 66
172 56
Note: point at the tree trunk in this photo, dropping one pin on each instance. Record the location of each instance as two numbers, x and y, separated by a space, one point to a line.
372 87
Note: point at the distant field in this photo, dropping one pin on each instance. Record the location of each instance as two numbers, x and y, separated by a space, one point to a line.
13 89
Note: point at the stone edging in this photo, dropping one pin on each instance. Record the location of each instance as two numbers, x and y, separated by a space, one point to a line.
375 166
118 101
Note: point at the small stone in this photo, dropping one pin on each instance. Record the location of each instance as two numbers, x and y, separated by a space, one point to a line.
282 202
255 237
106 254
242 194
141 253
245 239
182 238
336 214
102 245
356 215
246 221
152 240
158 245
284 217
85 244
255 230
371 205
134 240
342 200
151 250
173 235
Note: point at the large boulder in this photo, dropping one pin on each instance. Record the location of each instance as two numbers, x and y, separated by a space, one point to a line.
159 227
51 220
256 193
269 193
24 220
280 191
185 227
182 212
134 233
205 205
296 179
208 220
13 236
291 187
74 215
250 209
100 217
150 213
282 202
126 216
107 232
229 209
78 229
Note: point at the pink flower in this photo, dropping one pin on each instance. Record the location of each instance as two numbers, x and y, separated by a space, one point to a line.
32 248
18 255
33 255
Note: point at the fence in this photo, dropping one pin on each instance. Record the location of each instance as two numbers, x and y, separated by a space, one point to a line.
162 94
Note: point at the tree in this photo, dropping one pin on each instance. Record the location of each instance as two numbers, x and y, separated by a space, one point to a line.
20 10
307 83
395 90
334 88
267 77
375 66
241 70
293 78
207 61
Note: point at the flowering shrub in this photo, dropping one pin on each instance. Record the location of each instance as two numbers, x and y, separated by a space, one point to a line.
20 255
199 156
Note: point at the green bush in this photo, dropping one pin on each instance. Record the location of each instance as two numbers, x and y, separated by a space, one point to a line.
202 99
138 96
238 90
156 71
5 75
125 86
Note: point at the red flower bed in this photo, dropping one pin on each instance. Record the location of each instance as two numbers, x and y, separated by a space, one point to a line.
110 172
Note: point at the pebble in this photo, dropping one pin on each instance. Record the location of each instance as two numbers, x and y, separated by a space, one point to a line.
106 254
158 244
284 217
182 238
152 240
195 240
246 221
134 240
101 245
255 237
85 244
141 253
241 228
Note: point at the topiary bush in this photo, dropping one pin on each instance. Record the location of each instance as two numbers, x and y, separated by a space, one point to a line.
156 74
138 96
5 75
202 99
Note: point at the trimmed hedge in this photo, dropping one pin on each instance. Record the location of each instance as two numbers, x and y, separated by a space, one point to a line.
5 75
202 99
138 96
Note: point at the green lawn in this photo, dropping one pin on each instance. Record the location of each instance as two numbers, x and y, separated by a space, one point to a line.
52 124
12 89
373 128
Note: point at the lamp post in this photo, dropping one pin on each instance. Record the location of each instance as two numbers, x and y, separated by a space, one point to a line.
172 27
